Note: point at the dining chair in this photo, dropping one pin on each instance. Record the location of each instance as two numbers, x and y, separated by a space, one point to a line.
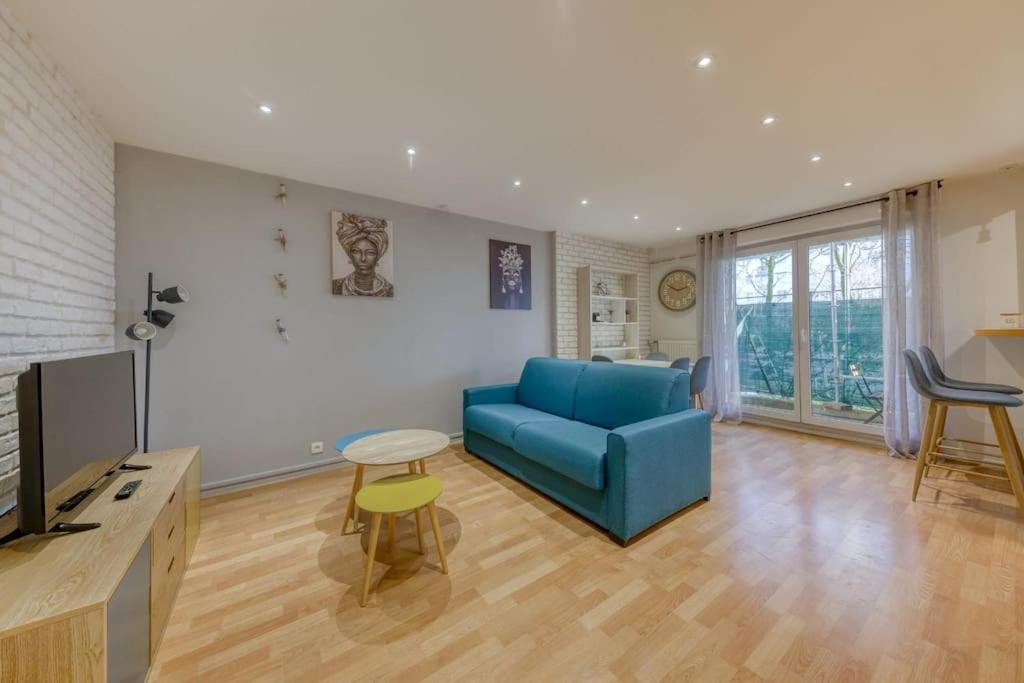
699 379
657 355
681 363
875 399
601 359
953 454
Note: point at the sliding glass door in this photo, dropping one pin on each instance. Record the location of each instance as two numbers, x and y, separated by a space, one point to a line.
766 343
809 330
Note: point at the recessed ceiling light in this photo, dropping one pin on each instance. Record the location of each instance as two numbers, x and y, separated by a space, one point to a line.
704 62
518 183
636 218
411 151
768 120
816 158
848 183
584 202
678 228
265 109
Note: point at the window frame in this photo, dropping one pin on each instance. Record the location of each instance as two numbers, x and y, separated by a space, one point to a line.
806 409
802 412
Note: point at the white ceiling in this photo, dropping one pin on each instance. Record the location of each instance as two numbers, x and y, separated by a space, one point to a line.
596 99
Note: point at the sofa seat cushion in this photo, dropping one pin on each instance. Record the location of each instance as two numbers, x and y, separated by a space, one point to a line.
499 421
573 449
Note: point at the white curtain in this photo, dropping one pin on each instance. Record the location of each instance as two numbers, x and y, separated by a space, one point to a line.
716 253
911 308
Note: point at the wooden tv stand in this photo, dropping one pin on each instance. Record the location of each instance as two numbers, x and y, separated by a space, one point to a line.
92 606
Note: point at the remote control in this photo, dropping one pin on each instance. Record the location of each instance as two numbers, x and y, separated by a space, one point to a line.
127 490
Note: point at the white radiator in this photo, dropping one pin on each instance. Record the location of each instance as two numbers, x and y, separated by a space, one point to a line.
679 348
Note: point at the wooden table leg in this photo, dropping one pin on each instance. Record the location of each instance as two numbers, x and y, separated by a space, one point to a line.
419 531
371 550
432 510
351 510
391 534
419 525
423 466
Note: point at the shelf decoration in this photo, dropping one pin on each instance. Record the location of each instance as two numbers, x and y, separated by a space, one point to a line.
282 283
281 239
282 194
608 309
282 330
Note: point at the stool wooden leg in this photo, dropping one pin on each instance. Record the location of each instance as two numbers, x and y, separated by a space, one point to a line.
1013 438
419 531
432 511
351 511
391 534
926 447
940 428
371 550
1008 446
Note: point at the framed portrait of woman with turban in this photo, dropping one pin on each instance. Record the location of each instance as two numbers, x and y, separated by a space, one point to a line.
362 255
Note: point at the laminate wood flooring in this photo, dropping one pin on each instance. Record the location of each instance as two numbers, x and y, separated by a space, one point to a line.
809 563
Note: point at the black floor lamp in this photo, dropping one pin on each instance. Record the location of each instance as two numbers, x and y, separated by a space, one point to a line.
145 330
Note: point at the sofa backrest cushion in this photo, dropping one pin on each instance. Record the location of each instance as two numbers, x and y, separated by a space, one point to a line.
611 395
549 384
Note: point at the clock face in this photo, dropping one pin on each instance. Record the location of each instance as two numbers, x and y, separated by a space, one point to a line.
678 290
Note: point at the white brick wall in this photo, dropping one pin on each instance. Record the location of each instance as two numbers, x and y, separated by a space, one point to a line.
56 225
573 251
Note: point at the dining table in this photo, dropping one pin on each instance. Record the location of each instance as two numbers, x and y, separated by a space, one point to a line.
650 363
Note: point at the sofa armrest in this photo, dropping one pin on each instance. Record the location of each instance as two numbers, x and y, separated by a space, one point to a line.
496 393
656 468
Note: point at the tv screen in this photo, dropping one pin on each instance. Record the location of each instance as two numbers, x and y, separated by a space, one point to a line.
77 422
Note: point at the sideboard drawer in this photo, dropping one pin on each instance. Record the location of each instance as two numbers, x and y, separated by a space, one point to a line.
173 512
169 559
166 577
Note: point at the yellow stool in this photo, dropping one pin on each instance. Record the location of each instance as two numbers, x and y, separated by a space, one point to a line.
391 495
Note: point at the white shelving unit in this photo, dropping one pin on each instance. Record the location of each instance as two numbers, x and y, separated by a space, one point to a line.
608 323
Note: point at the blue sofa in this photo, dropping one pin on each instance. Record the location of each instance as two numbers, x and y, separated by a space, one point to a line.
617 443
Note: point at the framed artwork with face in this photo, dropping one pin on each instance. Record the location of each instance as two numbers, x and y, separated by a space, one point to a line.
362 255
510 275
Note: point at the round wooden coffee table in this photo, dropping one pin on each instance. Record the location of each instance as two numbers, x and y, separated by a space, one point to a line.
394 447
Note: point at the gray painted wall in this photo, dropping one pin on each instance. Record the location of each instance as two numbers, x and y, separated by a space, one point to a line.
224 379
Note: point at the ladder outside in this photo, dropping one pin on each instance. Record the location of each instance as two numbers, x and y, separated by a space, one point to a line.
764 363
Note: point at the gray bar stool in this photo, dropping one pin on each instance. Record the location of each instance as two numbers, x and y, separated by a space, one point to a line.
954 454
937 376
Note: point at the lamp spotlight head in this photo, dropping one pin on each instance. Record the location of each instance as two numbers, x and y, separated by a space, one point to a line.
162 318
173 295
141 331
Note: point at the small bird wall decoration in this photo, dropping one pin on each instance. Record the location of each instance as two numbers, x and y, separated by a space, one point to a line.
282 330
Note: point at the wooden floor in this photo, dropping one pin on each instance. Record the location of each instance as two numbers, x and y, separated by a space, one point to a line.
810 562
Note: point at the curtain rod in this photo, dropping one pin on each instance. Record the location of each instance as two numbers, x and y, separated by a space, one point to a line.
816 212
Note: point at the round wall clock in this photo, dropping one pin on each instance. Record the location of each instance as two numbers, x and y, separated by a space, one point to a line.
678 290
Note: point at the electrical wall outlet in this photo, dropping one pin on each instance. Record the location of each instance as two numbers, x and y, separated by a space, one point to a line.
316 447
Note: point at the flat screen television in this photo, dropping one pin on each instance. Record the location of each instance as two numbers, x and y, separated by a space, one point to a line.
76 423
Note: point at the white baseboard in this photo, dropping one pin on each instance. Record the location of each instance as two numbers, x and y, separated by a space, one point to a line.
249 481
